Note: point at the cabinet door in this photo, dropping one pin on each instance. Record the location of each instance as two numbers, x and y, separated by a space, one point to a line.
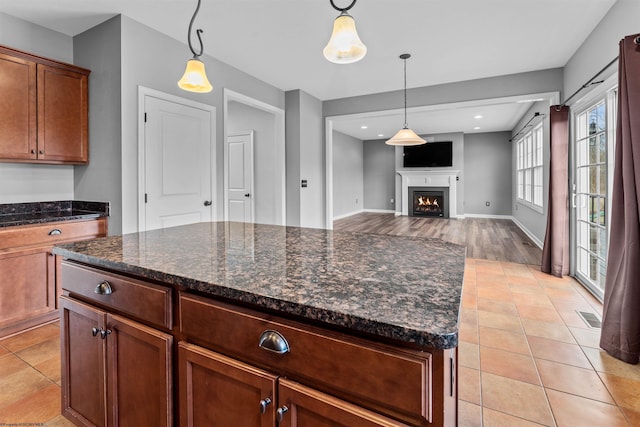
301 406
62 115
27 288
139 374
17 108
83 367
218 391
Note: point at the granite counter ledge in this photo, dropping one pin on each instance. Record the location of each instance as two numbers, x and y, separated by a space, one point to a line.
16 214
400 288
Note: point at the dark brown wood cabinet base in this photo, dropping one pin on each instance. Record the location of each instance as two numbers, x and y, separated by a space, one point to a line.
234 366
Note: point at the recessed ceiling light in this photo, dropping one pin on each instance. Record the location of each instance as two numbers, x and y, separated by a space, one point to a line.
380 134
476 128
479 116
364 127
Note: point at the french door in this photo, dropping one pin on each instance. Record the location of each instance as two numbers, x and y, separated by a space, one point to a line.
592 178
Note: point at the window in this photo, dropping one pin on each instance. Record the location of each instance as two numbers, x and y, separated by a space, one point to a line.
529 167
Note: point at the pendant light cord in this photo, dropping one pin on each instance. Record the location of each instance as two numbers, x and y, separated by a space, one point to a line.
341 9
198 32
405 93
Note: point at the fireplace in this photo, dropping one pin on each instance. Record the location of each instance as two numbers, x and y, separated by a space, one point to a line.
429 201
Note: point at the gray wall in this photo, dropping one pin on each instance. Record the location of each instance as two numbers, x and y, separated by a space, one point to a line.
292 156
602 45
142 64
530 219
32 182
305 160
379 175
487 161
348 175
492 87
241 117
98 49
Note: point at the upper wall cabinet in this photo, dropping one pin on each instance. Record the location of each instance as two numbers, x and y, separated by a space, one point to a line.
43 110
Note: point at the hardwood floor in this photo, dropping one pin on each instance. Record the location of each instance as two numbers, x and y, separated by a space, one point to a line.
492 239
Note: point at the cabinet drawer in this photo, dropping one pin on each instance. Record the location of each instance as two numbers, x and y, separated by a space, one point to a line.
394 382
141 300
51 233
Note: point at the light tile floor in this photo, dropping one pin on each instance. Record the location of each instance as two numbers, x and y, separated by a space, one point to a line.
526 359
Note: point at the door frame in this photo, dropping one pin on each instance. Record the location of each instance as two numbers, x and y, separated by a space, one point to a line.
248 133
279 138
143 92
576 108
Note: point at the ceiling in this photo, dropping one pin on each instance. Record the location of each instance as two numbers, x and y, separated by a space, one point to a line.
281 41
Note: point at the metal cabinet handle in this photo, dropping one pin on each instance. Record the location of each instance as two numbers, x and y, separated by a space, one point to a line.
247 195
263 404
94 331
103 288
41 151
55 232
104 333
33 151
273 341
280 413
207 203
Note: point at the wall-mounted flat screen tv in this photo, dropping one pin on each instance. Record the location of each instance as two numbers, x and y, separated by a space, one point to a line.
429 155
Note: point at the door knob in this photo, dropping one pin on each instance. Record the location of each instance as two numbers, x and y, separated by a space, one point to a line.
207 203
247 195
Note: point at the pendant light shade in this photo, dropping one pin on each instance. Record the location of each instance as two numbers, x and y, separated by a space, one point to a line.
345 46
405 136
195 78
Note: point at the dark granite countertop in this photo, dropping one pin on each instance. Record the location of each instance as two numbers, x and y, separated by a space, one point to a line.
400 288
13 214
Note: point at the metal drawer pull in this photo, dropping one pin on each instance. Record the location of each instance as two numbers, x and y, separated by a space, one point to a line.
263 404
55 232
103 288
280 413
94 331
274 341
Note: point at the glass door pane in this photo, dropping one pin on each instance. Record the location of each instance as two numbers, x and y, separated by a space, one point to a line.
593 142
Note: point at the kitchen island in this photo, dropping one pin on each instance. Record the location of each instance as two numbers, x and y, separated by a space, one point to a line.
258 324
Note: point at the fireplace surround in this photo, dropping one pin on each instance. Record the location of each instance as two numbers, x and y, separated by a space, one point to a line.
445 178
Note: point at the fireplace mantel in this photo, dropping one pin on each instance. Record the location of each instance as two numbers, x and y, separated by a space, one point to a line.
429 178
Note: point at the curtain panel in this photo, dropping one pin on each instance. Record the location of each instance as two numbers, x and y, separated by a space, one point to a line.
555 252
620 336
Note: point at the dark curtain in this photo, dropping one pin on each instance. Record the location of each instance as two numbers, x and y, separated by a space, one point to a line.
555 252
620 335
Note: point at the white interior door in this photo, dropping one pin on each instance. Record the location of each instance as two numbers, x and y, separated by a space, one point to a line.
239 177
178 165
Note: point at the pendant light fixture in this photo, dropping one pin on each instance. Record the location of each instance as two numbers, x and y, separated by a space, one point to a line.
194 78
345 46
405 136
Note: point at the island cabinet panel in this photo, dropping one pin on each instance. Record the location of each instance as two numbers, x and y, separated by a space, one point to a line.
28 270
352 369
43 110
216 390
141 300
115 372
301 406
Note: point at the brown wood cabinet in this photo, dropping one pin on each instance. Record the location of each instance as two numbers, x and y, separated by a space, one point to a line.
43 110
115 371
234 366
28 285
216 390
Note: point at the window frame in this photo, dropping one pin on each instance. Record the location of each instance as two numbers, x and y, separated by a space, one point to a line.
530 168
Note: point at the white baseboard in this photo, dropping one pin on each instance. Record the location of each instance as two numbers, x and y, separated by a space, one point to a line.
348 214
530 235
380 210
469 215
